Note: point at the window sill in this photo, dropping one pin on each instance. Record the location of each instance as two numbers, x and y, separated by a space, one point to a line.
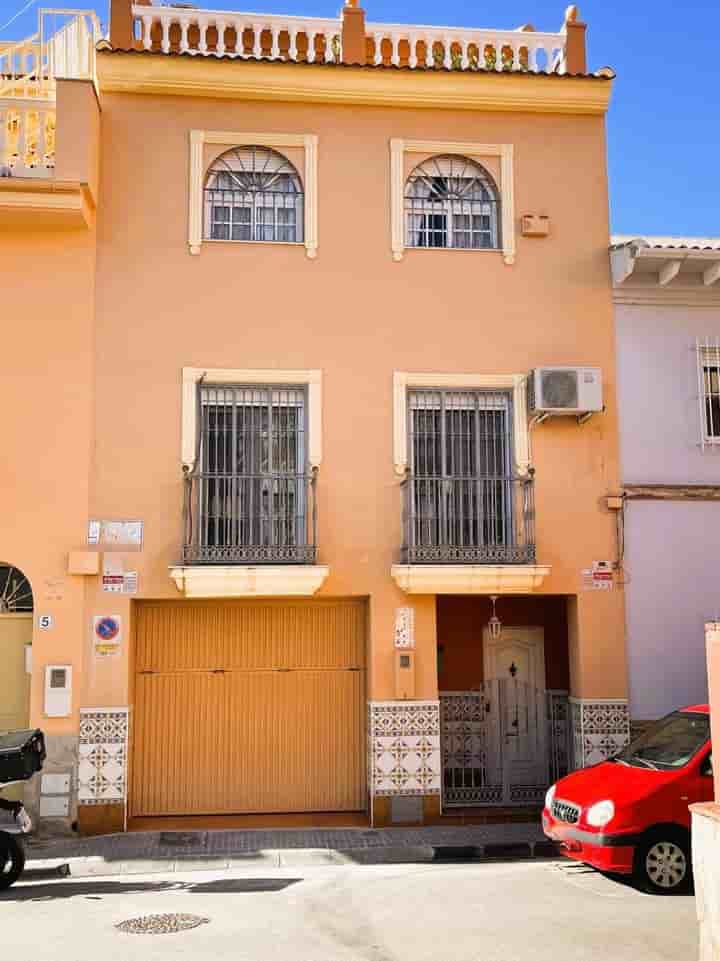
460 250
508 259
255 243
469 578
310 250
239 580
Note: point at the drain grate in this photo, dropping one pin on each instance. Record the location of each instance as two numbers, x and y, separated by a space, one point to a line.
182 838
161 923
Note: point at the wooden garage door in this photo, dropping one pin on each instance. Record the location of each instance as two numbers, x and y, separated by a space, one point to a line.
248 707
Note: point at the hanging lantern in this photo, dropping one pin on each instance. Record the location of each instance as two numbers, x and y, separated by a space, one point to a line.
494 624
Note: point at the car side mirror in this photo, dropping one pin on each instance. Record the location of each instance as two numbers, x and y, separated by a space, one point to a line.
706 768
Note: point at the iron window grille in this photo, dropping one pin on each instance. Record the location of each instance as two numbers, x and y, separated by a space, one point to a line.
254 194
15 591
708 371
451 201
462 502
251 497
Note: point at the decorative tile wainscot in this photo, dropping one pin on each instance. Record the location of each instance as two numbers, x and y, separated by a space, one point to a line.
404 748
102 768
600 729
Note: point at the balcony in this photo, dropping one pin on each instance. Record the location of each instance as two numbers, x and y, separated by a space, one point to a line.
466 535
48 168
249 535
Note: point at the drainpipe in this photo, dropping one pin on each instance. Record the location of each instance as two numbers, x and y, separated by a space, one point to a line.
353 33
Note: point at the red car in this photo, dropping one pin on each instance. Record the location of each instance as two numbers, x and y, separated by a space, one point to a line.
629 815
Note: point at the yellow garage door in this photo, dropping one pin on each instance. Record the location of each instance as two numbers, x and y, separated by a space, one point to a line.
248 706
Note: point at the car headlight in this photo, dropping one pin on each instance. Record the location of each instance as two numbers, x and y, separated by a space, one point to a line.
601 814
549 796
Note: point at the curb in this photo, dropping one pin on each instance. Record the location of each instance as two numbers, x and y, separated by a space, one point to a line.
88 867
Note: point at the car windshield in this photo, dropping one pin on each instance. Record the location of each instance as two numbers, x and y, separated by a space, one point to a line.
669 743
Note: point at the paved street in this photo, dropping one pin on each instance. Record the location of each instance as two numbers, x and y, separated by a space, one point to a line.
434 912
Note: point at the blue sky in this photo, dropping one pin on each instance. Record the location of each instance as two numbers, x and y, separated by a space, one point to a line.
664 121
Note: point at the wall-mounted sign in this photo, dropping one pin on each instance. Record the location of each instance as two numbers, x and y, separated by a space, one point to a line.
107 635
45 622
599 577
115 579
405 627
112 575
130 582
110 534
112 583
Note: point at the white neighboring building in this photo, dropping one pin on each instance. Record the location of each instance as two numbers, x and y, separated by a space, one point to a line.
667 312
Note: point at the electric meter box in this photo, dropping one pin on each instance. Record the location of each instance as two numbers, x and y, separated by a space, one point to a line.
58 690
404 674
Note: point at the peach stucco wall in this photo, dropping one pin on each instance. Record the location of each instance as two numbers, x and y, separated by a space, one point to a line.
46 392
78 136
358 316
352 312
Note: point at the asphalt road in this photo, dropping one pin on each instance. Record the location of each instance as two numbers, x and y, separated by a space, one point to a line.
548 911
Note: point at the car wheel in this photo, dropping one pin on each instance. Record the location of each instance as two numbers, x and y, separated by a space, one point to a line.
662 862
12 860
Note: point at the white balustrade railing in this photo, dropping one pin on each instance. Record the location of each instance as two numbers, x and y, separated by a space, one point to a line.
19 65
27 136
456 48
222 33
62 48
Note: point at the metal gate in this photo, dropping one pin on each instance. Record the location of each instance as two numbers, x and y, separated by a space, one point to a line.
503 743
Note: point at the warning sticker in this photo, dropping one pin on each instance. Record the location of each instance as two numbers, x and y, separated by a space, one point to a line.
599 577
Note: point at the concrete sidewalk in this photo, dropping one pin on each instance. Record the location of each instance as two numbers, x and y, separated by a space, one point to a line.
151 851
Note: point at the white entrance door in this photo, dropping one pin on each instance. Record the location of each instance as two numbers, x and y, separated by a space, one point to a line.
514 666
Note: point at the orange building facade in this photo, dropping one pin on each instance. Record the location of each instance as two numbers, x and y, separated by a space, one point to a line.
301 533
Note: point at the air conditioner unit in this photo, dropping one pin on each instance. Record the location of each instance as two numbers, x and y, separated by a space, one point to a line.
565 390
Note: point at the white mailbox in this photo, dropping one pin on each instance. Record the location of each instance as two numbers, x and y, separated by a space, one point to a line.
58 690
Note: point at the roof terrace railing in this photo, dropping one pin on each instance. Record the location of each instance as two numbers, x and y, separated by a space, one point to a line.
183 29
455 48
222 33
62 48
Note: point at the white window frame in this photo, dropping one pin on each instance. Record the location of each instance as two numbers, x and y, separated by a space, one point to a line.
516 383
307 142
446 208
708 355
311 379
475 151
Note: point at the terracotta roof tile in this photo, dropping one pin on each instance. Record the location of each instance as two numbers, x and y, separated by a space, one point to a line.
606 73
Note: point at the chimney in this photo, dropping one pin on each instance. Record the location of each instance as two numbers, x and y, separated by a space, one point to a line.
121 24
574 30
353 33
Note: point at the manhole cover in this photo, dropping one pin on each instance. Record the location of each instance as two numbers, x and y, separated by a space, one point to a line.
161 923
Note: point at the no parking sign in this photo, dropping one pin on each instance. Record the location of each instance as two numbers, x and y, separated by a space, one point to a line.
107 635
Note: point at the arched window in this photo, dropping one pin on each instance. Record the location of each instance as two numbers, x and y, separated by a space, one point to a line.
451 201
15 591
253 193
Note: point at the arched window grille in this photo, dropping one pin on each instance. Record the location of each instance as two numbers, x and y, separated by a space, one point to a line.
15 591
451 201
253 193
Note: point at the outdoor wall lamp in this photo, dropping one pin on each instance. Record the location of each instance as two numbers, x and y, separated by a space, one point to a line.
494 624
